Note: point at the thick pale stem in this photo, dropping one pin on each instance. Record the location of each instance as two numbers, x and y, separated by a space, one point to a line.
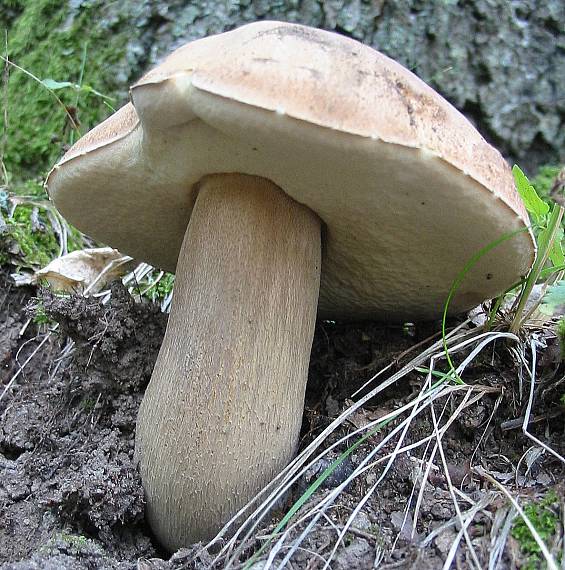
222 413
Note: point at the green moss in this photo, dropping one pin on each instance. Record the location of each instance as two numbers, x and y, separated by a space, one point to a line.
162 288
545 178
561 336
28 238
40 317
50 43
88 404
38 245
545 520
9 11
74 545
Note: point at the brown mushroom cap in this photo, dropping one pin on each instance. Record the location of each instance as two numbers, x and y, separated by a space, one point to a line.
408 190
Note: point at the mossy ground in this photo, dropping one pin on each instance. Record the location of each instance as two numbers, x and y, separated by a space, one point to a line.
51 43
544 516
545 178
28 238
48 42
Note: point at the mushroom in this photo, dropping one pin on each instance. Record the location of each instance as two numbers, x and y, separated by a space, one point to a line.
279 170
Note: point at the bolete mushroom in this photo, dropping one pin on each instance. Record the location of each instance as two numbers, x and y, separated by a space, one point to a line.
279 170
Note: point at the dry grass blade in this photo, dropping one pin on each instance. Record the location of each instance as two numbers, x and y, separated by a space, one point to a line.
294 470
428 399
393 456
476 507
550 561
473 344
400 430
233 548
528 414
499 532
463 524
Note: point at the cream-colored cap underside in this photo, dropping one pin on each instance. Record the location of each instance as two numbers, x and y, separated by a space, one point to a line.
399 222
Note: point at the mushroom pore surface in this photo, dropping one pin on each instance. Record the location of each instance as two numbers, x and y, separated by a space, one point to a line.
222 413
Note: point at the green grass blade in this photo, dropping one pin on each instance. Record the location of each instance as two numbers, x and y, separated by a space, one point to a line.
534 204
545 242
313 488
457 283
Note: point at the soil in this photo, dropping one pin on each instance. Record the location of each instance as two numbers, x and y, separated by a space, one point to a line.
71 495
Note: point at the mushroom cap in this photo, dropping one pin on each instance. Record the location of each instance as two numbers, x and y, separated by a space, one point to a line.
405 186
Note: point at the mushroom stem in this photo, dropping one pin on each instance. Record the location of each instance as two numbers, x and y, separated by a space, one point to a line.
222 413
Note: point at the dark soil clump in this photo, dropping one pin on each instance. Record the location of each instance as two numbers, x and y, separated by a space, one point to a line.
70 492
70 485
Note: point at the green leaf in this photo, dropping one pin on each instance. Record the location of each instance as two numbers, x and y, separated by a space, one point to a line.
534 204
54 85
554 298
549 271
545 241
556 252
88 89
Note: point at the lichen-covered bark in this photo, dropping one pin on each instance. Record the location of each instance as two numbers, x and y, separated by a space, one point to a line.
502 62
